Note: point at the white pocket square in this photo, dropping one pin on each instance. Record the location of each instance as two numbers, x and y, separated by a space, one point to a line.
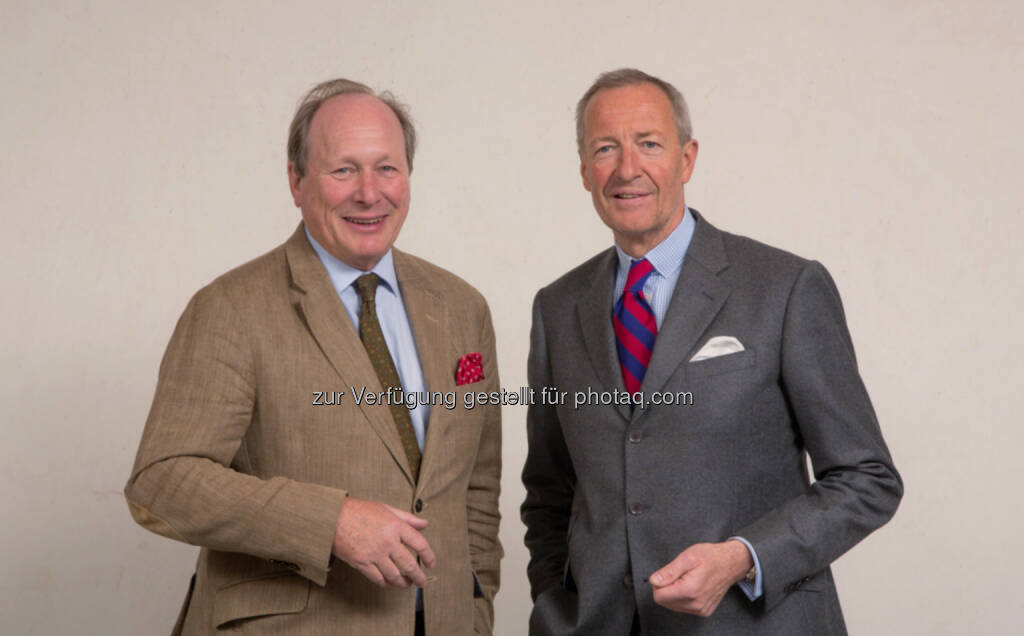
718 346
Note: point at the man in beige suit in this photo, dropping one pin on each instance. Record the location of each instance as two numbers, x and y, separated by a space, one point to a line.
321 509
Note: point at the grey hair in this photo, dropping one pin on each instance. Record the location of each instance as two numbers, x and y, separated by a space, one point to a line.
298 132
630 77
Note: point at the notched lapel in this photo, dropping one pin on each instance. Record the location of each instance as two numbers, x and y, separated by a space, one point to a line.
698 297
594 310
321 309
428 316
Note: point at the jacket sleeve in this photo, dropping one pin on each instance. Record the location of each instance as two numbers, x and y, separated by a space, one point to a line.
182 485
548 474
856 488
482 511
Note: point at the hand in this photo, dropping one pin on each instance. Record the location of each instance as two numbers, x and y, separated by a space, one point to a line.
381 541
695 581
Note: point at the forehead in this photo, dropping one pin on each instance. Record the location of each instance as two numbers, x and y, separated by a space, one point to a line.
348 123
635 108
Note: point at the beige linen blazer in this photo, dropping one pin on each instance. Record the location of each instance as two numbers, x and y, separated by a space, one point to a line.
237 459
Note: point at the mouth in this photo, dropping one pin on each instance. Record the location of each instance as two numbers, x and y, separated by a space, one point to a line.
365 221
630 196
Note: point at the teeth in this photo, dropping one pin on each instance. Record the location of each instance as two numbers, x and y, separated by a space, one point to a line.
365 221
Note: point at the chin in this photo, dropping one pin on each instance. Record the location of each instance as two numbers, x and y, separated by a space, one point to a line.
631 230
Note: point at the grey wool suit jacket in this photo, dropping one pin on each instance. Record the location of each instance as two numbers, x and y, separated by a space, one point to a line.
615 494
237 459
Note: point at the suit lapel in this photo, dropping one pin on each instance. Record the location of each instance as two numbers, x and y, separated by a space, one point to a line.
595 316
428 316
320 307
698 297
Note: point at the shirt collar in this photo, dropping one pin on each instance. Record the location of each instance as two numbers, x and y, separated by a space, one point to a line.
666 257
342 275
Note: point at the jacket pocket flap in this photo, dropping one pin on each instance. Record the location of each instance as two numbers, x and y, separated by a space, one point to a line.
278 594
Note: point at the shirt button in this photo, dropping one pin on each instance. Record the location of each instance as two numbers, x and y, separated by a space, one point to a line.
635 436
628 580
636 508
418 506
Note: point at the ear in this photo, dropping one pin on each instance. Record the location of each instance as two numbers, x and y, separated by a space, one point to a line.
583 173
689 159
294 183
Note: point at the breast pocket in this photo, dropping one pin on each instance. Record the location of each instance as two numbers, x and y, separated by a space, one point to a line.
724 387
721 364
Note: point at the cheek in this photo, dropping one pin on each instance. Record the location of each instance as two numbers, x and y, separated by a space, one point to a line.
597 177
332 192
674 185
397 193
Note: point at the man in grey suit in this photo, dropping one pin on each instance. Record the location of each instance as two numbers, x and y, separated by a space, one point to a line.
689 372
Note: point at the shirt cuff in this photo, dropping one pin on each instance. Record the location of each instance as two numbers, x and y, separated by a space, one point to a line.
756 589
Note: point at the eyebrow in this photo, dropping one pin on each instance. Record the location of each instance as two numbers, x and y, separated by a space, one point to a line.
639 135
349 158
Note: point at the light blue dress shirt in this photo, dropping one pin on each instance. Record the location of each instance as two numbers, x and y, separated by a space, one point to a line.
394 322
667 259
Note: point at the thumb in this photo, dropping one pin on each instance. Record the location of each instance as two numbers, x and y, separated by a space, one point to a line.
675 568
416 522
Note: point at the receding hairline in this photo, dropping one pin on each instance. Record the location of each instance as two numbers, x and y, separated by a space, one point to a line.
313 141
624 78
364 97
311 103
642 133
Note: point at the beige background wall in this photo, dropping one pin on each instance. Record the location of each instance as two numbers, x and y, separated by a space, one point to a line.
143 154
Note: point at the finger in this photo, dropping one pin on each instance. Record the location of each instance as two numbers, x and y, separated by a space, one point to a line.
416 522
392 576
407 565
676 592
371 572
663 598
674 569
672 597
419 544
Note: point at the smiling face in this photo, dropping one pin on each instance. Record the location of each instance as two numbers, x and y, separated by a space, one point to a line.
634 166
354 195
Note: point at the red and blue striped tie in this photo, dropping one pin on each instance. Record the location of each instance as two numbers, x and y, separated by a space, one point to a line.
635 326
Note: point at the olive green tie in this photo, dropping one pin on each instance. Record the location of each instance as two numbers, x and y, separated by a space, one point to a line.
377 348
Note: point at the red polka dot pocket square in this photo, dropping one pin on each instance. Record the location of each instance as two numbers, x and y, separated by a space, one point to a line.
471 369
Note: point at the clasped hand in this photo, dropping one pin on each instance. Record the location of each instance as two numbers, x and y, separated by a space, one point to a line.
695 581
382 543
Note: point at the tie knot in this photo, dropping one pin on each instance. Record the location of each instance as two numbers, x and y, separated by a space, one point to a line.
638 273
366 285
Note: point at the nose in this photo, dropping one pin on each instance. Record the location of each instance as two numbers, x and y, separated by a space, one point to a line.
629 167
367 193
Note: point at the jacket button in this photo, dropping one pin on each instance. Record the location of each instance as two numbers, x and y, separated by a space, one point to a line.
635 436
628 580
418 506
636 508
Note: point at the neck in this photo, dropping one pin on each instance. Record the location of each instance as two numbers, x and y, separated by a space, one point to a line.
638 245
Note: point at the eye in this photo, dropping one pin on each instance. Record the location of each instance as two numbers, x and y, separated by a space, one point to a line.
388 169
650 145
343 171
605 149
